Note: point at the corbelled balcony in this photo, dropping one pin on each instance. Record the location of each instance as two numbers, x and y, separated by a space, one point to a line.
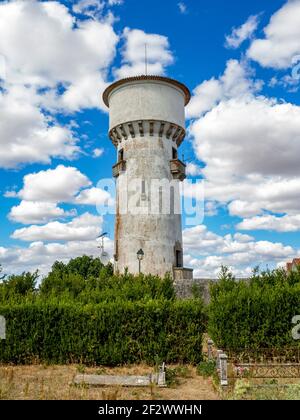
177 169
118 168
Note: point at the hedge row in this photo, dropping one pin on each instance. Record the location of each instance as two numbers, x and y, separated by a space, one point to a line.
255 314
108 333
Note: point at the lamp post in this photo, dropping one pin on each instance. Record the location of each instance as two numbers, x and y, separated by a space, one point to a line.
140 255
103 254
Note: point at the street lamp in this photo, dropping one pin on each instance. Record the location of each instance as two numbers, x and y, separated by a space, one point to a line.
140 255
103 255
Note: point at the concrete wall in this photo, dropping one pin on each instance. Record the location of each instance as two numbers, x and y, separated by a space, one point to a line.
146 123
145 100
184 288
147 158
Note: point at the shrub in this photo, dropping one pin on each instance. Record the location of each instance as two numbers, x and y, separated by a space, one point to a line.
206 368
76 281
18 287
256 313
110 333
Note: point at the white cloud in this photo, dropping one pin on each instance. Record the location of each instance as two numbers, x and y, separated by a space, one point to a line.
98 152
91 8
250 146
244 208
63 68
28 212
207 251
81 228
243 32
27 135
41 256
236 82
262 174
53 185
288 81
82 94
233 125
94 196
192 169
133 56
205 96
211 208
282 38
115 2
241 237
182 7
286 223
70 52
42 191
201 241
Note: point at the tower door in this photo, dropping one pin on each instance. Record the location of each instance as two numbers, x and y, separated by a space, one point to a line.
178 258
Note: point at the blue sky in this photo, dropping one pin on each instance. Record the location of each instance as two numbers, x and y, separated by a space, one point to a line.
240 61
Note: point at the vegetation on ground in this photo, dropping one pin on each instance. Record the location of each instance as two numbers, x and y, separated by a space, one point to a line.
82 313
255 313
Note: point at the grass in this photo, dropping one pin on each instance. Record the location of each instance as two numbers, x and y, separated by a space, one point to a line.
267 389
41 382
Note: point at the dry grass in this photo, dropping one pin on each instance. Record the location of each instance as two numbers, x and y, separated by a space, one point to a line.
40 382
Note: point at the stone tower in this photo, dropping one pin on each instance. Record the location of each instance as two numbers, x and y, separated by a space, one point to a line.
147 126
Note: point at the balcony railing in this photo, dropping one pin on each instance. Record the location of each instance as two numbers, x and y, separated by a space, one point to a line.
177 169
118 168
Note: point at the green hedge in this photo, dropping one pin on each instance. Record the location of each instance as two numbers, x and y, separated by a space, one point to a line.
256 313
108 333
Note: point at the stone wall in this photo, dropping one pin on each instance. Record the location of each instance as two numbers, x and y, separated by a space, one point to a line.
185 288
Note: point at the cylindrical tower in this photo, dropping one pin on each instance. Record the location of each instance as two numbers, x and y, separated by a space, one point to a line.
147 125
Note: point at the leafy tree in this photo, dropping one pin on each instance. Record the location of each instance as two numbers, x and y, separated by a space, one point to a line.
17 286
2 276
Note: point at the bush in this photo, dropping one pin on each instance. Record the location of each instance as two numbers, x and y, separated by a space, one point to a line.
83 313
206 368
77 281
256 313
18 287
110 333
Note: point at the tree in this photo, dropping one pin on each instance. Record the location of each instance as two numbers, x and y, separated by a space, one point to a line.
77 275
22 284
2 276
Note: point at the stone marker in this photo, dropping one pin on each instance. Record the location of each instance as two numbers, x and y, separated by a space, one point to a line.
2 328
219 352
223 370
209 349
123 380
105 380
161 380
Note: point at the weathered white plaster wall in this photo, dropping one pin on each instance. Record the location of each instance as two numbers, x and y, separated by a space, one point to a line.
140 100
147 157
